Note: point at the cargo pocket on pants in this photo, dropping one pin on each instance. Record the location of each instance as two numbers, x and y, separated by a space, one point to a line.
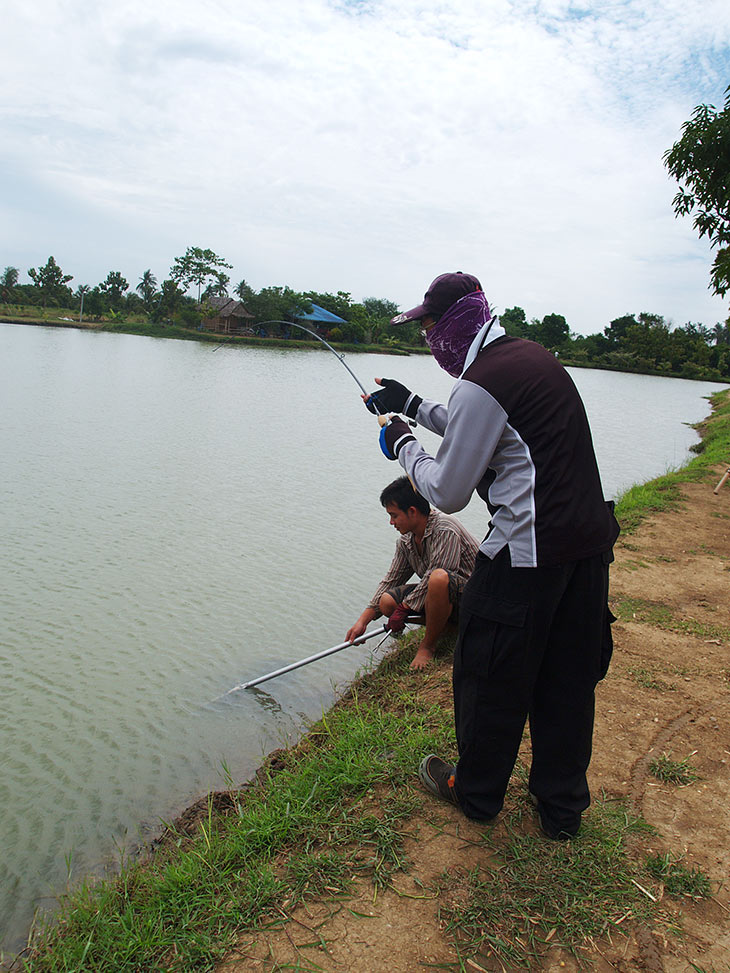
606 642
491 628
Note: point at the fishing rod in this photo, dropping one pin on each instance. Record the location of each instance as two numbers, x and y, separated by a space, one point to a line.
383 630
338 356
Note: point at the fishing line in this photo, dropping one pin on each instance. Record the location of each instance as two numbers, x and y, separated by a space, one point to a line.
338 356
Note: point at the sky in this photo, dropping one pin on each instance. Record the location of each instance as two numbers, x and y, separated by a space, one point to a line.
365 145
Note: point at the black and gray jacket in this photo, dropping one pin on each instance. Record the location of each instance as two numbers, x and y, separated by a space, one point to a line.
515 430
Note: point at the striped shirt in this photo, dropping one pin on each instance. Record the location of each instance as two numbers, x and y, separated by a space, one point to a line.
446 544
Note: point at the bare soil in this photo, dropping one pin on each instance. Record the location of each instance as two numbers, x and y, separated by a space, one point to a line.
667 692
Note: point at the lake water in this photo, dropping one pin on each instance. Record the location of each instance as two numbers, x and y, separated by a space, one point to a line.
177 520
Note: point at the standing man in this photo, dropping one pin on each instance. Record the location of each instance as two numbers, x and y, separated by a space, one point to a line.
534 631
439 550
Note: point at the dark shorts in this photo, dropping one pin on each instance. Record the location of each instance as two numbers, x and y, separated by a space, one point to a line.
456 586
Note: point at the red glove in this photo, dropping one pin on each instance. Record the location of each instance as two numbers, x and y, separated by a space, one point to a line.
397 621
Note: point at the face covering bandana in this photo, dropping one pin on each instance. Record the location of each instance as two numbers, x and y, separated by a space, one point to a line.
451 338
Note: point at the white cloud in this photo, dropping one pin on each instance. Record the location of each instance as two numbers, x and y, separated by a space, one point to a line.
366 146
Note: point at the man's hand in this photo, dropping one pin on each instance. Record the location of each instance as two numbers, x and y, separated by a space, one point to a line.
392 397
393 436
397 621
358 629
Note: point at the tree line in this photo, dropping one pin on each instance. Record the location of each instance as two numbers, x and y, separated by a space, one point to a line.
641 342
204 272
644 342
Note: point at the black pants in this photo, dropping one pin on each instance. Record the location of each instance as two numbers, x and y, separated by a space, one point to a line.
532 642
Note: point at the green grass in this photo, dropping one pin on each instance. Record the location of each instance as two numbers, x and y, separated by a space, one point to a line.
539 893
648 680
678 878
660 616
673 771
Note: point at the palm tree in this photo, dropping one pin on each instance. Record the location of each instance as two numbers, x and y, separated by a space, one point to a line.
243 291
8 281
721 334
147 289
81 291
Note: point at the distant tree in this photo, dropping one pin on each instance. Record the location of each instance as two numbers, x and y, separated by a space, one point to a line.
688 344
379 308
616 331
134 303
552 331
51 282
514 321
593 345
378 313
171 298
648 340
339 303
721 334
114 287
218 287
196 266
244 291
81 291
355 328
94 302
147 290
720 360
277 304
700 162
8 283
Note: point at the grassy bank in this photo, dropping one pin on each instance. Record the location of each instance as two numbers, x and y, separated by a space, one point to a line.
342 807
141 325
333 809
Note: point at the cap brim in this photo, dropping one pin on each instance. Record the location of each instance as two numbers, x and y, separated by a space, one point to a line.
414 314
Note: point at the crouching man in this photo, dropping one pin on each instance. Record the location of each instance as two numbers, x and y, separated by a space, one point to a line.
432 545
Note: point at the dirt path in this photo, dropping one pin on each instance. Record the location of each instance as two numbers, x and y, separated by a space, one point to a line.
667 693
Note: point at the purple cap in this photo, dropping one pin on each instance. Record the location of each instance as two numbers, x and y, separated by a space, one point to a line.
441 294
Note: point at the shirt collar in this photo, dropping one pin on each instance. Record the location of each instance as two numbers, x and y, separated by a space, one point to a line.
489 333
410 539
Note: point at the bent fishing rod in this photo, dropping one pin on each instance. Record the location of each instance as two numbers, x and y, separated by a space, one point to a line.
338 356
382 630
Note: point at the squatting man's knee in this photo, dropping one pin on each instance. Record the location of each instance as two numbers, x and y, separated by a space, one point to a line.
438 609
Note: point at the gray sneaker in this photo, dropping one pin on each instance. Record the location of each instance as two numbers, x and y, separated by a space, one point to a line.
439 777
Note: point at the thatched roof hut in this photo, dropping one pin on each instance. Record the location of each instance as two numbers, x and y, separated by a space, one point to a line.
227 316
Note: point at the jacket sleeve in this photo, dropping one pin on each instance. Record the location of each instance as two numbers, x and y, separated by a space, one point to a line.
433 415
474 425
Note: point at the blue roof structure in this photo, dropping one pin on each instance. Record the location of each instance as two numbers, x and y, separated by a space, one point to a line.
318 315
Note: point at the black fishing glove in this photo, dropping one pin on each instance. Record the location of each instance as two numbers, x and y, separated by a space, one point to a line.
393 397
393 436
